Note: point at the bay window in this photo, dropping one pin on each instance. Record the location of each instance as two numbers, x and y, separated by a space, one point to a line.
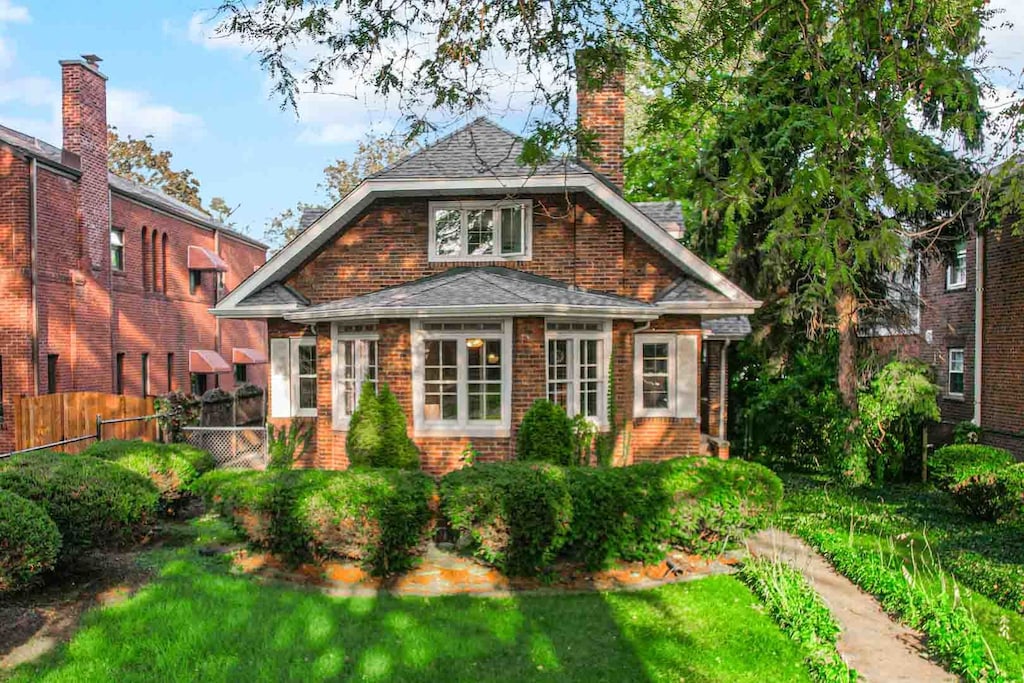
577 368
462 378
480 230
355 364
665 375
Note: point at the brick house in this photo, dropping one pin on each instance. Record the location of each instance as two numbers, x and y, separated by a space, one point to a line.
106 284
968 325
473 286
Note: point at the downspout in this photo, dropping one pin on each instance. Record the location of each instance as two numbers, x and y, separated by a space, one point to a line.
723 388
33 229
216 296
979 323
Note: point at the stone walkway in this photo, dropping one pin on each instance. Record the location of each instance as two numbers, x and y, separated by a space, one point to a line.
446 573
880 649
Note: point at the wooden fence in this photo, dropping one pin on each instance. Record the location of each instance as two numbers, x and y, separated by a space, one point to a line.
41 420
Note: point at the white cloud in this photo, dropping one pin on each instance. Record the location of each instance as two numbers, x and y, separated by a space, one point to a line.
202 30
14 14
133 113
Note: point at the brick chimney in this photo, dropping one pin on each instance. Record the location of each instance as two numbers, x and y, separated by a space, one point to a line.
85 134
601 112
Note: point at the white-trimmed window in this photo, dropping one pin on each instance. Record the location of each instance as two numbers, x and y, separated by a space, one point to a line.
577 367
480 230
955 386
355 363
956 272
293 377
665 373
461 374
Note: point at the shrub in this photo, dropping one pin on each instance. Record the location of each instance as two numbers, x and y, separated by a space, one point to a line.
991 495
29 541
518 516
546 435
94 503
173 468
176 410
801 614
515 516
952 464
966 432
377 433
378 517
286 445
1001 581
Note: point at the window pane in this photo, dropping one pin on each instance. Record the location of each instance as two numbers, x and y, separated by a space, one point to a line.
655 375
512 230
484 372
655 392
588 377
440 398
307 392
480 226
558 372
448 231
371 361
307 359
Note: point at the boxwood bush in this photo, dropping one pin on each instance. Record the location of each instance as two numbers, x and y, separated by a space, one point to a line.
546 435
173 468
991 495
520 516
379 517
514 515
29 541
952 464
94 503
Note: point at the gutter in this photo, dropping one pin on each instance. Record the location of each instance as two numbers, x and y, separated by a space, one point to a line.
979 323
33 229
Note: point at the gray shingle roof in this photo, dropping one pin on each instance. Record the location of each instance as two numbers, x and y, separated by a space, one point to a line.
481 148
668 215
275 294
689 290
55 155
732 327
480 286
310 214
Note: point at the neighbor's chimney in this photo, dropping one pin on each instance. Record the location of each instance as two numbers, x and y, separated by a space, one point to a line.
85 134
601 112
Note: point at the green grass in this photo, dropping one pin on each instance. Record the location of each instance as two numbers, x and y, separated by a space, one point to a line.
922 529
197 621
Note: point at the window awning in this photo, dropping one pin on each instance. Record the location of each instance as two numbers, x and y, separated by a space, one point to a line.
201 258
206 361
243 356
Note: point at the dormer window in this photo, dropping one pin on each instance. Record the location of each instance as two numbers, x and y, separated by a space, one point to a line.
480 231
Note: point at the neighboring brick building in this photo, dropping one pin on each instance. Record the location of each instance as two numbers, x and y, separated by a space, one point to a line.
950 310
473 286
106 284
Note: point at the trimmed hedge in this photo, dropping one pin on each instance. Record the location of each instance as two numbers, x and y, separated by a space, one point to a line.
991 495
515 515
94 503
379 517
546 435
173 468
520 516
29 541
1001 581
952 464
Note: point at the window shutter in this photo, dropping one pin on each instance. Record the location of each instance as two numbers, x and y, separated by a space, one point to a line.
687 376
280 378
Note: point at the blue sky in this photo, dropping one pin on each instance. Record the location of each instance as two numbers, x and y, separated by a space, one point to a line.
206 99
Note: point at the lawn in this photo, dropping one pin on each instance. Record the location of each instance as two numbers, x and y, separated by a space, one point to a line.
920 528
198 621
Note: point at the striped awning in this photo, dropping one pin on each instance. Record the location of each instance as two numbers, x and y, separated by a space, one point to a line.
244 356
206 361
201 258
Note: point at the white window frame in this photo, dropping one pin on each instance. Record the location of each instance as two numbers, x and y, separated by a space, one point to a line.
602 335
462 426
120 246
680 401
950 373
958 266
297 343
496 205
361 335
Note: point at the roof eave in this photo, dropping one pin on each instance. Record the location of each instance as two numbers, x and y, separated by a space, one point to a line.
708 308
479 311
244 312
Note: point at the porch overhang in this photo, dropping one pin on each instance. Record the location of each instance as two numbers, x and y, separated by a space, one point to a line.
206 362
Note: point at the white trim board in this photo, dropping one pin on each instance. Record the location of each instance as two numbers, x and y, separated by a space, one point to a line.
337 217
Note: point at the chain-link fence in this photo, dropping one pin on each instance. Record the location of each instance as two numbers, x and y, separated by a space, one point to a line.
231 446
